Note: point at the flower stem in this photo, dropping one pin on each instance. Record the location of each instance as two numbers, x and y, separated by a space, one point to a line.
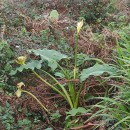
36 100
48 83
75 55
67 97
77 96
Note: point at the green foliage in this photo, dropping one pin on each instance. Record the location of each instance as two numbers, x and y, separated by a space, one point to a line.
121 22
51 56
30 65
6 55
55 116
73 117
59 74
123 52
96 11
5 50
6 117
82 58
98 70
76 111
25 123
116 109
72 68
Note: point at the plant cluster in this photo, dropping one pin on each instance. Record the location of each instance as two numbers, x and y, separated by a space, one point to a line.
72 89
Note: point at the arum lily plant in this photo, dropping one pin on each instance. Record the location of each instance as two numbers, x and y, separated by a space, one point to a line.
70 91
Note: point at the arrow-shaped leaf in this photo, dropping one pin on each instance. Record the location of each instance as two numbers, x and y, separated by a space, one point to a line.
30 65
97 70
52 56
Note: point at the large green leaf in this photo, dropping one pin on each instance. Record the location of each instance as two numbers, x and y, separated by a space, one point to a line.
52 56
97 70
30 65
